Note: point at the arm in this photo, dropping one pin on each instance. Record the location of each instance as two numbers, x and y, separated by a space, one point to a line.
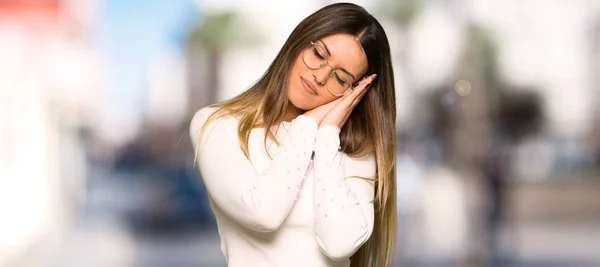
259 201
344 213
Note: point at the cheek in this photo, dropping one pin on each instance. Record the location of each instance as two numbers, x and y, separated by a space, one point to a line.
296 94
299 99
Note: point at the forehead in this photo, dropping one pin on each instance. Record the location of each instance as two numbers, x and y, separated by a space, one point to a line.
346 53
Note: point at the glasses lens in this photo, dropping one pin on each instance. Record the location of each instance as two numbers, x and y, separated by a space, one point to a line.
339 82
314 56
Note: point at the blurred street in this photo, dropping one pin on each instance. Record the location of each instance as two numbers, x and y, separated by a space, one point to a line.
93 244
498 127
108 243
100 236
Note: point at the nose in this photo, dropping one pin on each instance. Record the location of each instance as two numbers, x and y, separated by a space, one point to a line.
321 75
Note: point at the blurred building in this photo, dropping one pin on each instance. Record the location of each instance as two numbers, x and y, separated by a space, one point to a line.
47 82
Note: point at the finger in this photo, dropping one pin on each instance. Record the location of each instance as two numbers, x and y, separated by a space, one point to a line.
365 82
347 95
363 85
349 98
363 88
354 94
359 98
333 104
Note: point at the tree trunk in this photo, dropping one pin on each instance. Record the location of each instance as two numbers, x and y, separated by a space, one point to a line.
213 74
204 84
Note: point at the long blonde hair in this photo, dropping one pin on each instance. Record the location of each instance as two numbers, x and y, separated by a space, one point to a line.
369 130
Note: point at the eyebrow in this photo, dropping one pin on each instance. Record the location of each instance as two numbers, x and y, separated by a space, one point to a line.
329 53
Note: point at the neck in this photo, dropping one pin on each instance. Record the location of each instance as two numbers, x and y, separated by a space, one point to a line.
292 112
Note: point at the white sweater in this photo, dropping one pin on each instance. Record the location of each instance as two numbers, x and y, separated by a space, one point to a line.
288 210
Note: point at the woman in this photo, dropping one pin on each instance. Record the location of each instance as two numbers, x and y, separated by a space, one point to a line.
275 203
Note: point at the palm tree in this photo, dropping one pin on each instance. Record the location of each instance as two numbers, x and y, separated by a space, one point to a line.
212 36
402 12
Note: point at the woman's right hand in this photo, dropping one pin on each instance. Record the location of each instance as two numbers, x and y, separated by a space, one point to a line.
319 112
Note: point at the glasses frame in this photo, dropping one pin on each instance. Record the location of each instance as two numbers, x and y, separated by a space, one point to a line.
323 65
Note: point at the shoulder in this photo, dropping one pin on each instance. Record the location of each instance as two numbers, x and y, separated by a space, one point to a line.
201 117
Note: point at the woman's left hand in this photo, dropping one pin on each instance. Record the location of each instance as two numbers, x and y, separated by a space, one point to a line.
339 114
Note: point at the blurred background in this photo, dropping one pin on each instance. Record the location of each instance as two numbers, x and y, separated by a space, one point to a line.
498 127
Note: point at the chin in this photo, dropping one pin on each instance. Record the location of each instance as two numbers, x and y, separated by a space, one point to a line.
299 100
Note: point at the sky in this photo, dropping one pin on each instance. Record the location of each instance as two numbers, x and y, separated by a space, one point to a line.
131 35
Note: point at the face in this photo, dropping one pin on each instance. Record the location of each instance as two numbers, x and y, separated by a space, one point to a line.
345 64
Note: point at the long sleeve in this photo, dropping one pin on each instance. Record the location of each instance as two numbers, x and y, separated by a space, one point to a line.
259 201
344 212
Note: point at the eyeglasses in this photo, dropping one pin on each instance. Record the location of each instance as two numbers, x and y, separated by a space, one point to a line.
315 57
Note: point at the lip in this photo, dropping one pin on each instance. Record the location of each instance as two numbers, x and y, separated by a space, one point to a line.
309 87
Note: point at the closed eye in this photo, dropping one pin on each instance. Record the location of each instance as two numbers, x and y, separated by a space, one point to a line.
317 54
341 81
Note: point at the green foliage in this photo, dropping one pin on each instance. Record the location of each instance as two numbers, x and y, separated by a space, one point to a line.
402 12
217 31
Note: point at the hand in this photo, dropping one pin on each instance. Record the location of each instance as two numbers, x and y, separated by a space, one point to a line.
340 112
319 112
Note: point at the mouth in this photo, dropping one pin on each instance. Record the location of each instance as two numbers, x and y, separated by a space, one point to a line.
308 86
